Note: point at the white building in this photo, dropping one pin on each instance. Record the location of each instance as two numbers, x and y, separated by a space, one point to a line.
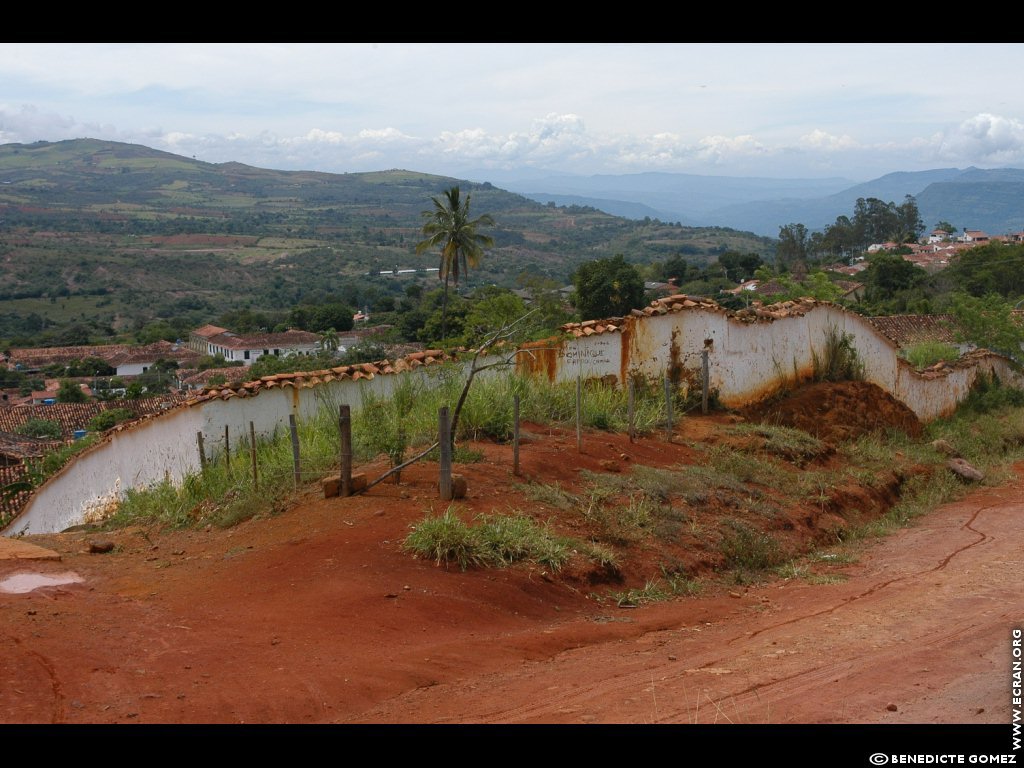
248 348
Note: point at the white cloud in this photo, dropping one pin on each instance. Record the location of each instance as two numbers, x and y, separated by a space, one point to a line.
984 139
826 142
722 149
28 123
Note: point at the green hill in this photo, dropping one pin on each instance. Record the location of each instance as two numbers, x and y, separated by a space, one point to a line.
98 238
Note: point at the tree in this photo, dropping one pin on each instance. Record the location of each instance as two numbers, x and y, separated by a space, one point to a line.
449 227
815 286
989 322
888 273
840 238
679 269
607 288
893 284
992 268
493 308
791 252
70 392
909 224
739 267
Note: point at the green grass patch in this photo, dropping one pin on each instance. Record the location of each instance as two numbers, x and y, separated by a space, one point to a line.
747 549
928 353
492 541
791 444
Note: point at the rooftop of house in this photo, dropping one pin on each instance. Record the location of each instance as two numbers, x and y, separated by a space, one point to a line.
907 330
208 330
158 350
291 337
112 354
22 447
40 357
74 416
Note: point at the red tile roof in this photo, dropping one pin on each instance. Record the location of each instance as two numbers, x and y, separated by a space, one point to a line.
159 350
264 340
207 331
21 447
10 506
906 330
40 357
72 416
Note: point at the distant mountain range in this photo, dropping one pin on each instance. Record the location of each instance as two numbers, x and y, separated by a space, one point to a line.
989 200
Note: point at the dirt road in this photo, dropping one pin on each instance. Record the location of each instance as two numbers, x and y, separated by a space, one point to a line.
317 616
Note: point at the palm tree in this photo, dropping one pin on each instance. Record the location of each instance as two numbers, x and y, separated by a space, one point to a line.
329 340
449 227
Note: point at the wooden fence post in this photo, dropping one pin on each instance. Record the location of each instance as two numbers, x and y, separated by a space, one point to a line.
345 428
445 446
202 452
579 413
227 451
295 447
515 435
668 407
630 415
704 381
252 453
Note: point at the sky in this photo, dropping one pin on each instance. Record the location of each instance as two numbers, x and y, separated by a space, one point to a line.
475 110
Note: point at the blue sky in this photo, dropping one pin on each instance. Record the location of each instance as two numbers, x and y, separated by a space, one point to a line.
469 110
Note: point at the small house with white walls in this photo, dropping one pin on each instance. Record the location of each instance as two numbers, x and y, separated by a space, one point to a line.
248 348
135 361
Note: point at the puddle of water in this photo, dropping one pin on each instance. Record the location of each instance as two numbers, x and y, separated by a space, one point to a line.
25 582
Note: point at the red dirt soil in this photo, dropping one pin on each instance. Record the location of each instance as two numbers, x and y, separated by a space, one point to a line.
317 615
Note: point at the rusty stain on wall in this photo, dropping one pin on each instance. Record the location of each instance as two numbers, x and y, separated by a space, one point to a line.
769 388
540 358
675 363
640 346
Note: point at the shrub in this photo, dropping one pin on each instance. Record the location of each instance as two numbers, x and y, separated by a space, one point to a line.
839 360
989 394
40 428
106 419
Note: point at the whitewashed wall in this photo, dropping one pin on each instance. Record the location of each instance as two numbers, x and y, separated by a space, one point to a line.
165 447
750 361
747 362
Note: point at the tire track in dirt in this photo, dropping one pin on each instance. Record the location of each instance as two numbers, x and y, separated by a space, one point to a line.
878 587
750 698
739 702
805 680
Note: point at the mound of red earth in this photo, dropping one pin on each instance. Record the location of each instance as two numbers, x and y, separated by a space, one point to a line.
838 411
